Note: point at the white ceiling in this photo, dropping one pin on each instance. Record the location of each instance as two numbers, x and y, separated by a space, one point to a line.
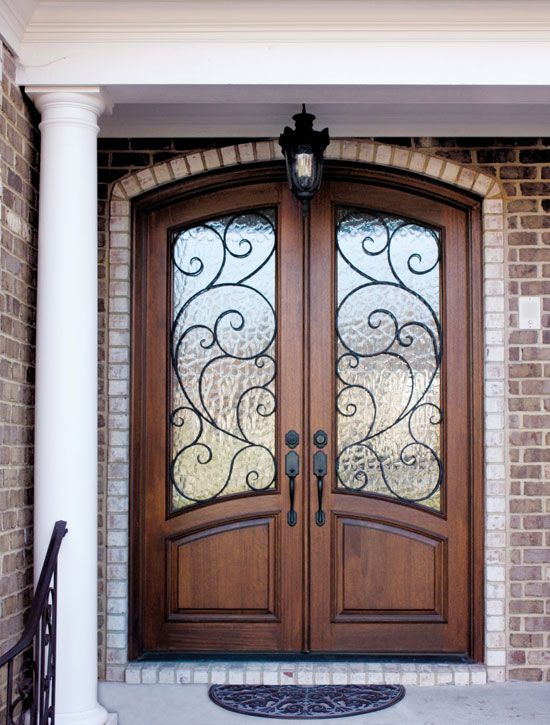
240 67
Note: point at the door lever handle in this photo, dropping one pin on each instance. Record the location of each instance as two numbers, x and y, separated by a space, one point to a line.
320 470
292 468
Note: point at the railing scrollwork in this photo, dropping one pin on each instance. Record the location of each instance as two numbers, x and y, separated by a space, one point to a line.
30 694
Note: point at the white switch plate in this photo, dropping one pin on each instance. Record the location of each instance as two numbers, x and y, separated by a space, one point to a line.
529 313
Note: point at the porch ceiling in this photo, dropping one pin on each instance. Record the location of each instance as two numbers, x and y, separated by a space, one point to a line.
349 110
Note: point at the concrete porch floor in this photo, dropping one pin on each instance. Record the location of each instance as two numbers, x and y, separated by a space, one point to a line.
495 704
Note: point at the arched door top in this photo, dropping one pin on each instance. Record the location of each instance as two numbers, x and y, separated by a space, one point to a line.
362 152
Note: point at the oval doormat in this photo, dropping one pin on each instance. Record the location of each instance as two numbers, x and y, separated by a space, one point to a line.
305 702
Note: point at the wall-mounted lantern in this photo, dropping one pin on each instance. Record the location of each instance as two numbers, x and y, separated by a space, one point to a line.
303 149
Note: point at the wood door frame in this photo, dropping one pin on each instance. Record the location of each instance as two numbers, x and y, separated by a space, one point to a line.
359 173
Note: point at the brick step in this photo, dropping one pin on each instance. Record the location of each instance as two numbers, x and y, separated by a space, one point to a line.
303 673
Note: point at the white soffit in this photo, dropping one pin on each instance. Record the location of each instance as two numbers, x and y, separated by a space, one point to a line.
262 111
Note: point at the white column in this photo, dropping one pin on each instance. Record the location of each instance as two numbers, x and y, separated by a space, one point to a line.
66 384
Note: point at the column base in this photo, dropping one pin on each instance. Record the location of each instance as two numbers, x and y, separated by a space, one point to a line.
96 716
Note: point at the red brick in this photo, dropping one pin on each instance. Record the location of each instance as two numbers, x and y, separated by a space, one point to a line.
526 506
522 238
528 404
538 658
526 606
536 522
536 288
516 657
525 438
536 421
523 336
534 255
523 573
521 271
526 674
537 589
535 353
526 640
536 556
535 387
526 538
537 624
531 455
525 370
526 472
529 205
531 488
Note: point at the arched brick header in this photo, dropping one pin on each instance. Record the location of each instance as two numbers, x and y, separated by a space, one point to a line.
120 246
359 151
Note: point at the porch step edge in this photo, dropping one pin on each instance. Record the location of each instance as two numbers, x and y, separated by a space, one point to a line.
300 673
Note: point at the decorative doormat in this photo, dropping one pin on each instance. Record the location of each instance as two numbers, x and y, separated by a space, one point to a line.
300 702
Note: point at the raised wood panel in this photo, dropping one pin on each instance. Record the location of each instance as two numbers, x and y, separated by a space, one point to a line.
386 571
207 569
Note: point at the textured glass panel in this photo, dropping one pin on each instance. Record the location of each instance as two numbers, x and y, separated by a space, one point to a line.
388 357
223 358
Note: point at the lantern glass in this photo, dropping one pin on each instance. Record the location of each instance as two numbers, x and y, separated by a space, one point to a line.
304 171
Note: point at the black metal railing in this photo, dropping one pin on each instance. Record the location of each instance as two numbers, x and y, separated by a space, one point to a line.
30 694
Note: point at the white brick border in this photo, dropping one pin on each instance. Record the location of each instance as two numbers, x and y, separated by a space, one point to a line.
462 176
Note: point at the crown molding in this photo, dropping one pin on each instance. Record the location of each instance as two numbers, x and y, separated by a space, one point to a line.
14 19
151 33
287 21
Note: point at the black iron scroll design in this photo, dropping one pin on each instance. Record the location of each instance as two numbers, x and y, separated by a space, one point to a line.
29 697
223 358
305 702
389 341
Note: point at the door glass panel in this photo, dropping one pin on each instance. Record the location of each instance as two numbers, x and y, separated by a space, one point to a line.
222 418
388 357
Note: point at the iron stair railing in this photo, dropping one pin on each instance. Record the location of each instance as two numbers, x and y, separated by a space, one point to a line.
30 697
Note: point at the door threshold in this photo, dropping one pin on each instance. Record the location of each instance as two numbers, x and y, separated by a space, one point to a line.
424 658
325 670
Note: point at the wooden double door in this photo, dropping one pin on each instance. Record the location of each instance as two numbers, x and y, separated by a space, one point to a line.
306 421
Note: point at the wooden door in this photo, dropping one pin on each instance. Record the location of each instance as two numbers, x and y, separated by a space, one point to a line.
357 330
391 384
220 568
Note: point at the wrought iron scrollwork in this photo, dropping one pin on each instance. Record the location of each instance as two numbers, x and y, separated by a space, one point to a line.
389 357
30 696
223 358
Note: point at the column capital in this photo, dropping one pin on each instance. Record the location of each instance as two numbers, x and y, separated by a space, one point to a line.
70 104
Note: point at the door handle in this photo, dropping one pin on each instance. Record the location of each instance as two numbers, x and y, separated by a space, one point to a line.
320 470
292 468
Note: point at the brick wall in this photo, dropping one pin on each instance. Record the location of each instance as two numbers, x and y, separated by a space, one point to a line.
116 159
18 216
523 167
